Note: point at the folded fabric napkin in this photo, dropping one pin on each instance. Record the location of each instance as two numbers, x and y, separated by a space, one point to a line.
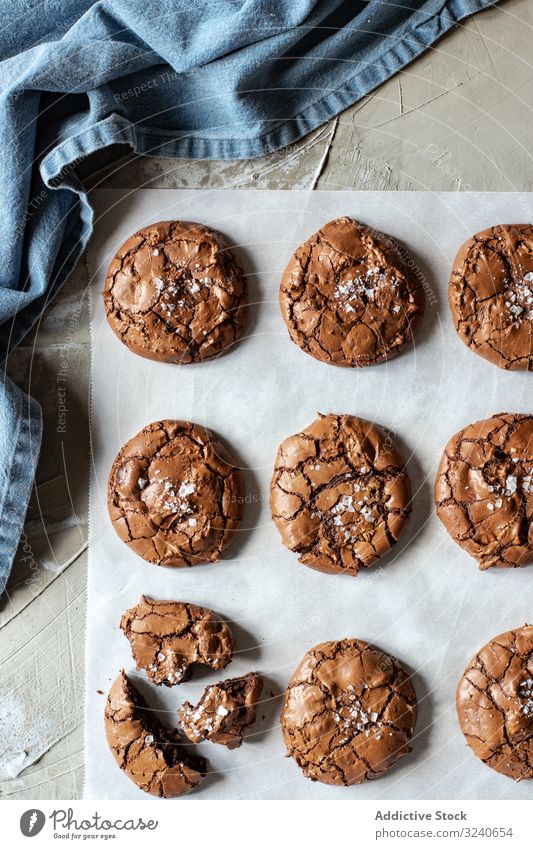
228 79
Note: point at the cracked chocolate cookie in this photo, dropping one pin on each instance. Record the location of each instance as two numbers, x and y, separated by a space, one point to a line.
224 713
168 637
175 495
349 713
491 295
495 703
152 756
175 293
484 490
340 494
350 295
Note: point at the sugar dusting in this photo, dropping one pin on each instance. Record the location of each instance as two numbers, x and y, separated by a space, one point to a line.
168 288
347 509
177 503
519 299
351 716
362 287
525 693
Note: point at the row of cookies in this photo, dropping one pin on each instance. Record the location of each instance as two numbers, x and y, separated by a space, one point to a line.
340 494
350 296
349 711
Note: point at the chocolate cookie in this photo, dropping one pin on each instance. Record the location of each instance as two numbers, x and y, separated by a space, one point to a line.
168 637
224 713
175 293
491 295
495 703
350 296
151 756
175 495
484 490
349 713
340 494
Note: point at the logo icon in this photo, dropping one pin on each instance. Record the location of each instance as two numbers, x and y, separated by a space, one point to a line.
32 822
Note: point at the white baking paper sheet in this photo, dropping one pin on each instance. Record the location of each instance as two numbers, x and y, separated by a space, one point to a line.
427 603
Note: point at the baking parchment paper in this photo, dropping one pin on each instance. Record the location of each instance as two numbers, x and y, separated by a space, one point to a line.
426 602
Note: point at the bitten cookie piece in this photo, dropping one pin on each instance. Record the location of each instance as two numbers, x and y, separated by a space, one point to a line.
495 703
152 756
168 637
175 495
484 490
175 293
225 712
350 296
349 713
491 295
340 494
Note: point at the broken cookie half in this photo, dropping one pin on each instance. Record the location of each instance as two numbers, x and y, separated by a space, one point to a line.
168 637
225 712
152 756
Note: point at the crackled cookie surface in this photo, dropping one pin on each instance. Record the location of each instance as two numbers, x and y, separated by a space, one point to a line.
152 756
168 637
175 496
340 494
350 296
491 295
349 713
484 490
224 713
495 703
175 293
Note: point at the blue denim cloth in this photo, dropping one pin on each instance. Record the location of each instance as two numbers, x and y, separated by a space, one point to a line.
226 79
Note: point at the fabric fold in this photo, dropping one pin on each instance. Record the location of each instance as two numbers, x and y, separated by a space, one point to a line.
20 441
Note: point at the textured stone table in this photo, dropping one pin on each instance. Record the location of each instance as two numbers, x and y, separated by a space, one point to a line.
460 118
